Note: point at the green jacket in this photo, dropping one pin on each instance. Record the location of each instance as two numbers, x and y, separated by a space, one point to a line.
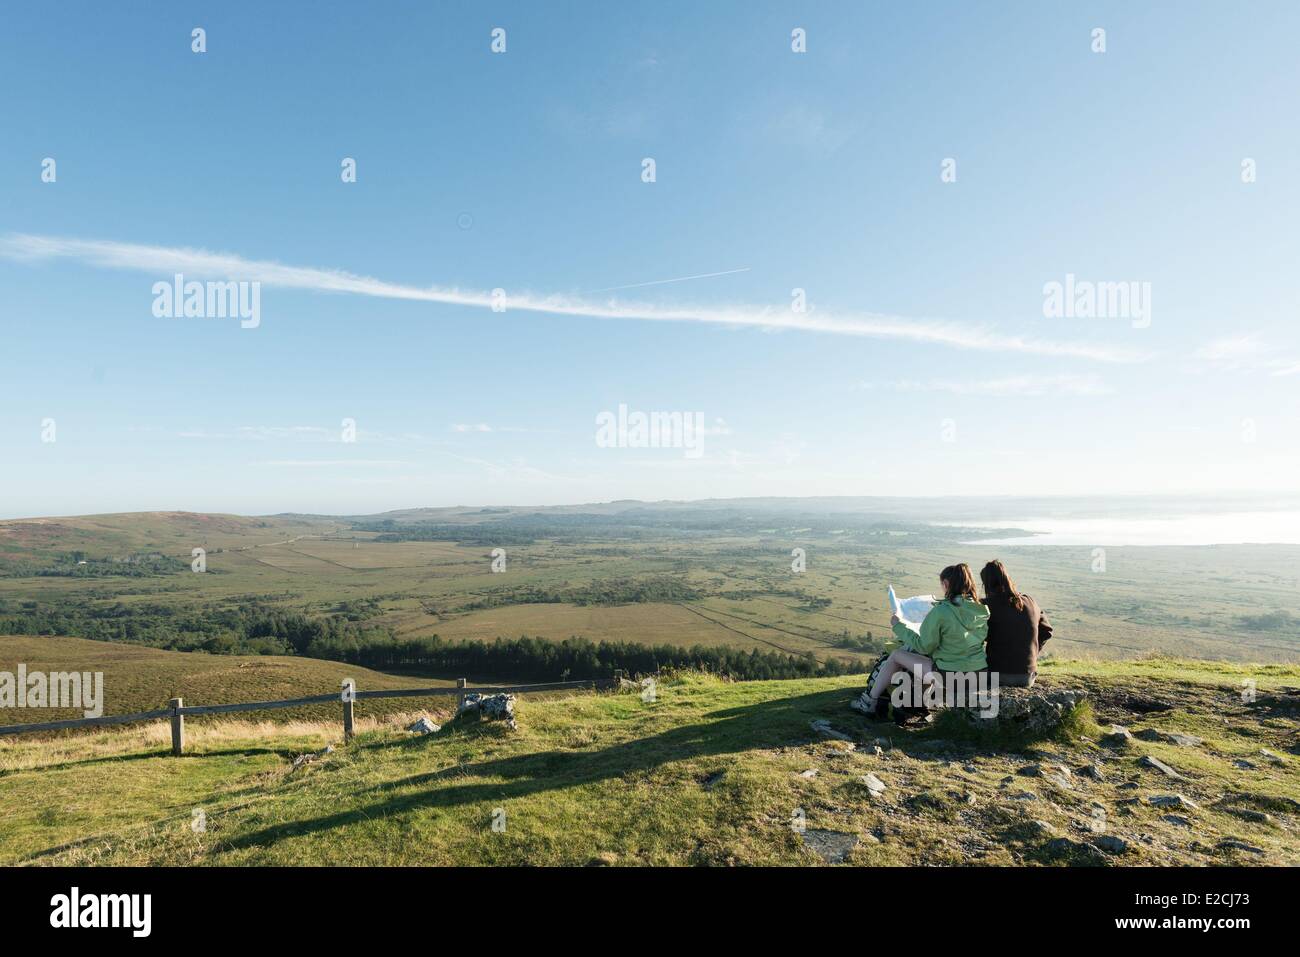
952 635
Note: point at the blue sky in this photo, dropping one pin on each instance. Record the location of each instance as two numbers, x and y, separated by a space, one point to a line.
925 364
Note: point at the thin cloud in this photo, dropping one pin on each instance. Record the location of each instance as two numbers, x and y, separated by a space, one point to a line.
1245 353
162 261
1025 385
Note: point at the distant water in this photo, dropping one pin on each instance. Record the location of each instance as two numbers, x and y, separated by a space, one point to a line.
1222 528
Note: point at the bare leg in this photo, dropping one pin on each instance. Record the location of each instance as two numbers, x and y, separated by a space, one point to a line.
899 660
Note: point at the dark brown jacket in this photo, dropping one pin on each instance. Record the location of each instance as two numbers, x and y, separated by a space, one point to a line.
1015 637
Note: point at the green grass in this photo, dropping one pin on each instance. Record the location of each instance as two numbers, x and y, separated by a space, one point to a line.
709 773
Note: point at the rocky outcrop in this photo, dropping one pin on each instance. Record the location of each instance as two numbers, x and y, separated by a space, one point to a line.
489 707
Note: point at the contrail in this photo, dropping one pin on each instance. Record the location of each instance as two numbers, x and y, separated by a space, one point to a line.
660 282
163 261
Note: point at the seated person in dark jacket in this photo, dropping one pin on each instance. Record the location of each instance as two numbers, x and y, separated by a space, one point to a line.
1017 628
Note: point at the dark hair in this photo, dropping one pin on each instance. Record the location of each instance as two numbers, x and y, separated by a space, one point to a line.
997 582
960 582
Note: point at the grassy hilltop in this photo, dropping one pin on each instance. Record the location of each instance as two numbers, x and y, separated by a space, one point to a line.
711 772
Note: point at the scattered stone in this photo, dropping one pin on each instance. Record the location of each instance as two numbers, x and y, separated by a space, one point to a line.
1249 814
311 756
1118 737
1176 819
1167 737
490 707
1045 829
1147 761
874 784
825 729
831 846
1024 796
1066 847
423 726
1093 771
1111 844
1244 764
809 774
1232 844
1172 800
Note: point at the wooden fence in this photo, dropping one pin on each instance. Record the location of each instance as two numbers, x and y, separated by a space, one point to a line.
177 710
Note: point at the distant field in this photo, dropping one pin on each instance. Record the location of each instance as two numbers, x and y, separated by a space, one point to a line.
1211 602
143 679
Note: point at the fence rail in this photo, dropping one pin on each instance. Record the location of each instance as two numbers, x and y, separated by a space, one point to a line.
178 710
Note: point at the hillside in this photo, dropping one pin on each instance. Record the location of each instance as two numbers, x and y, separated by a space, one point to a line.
684 575
142 679
709 773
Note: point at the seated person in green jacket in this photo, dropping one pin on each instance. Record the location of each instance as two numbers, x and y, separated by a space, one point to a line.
951 637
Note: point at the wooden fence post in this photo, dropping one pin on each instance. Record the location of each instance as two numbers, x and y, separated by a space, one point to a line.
348 686
460 698
178 726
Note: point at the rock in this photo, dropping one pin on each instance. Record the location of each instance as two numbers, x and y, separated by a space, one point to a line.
1033 712
490 707
1244 764
1149 762
1249 814
831 846
883 743
1119 737
1060 847
1060 777
1093 771
423 726
1111 844
1232 844
1166 737
1172 800
1176 819
809 774
1023 796
1275 758
1047 830
874 784
824 728
310 756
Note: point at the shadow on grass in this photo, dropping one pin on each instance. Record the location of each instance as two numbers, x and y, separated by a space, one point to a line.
768 724
287 753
